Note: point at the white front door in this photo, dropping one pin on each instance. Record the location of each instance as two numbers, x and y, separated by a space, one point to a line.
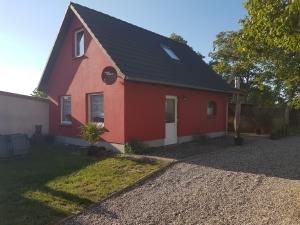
171 120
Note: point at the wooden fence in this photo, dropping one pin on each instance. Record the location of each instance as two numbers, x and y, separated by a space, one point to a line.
266 118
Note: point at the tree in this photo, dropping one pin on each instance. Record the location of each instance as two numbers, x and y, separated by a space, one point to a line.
178 38
264 53
38 93
230 61
271 35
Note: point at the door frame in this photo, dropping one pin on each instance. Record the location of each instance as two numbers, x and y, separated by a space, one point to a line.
176 112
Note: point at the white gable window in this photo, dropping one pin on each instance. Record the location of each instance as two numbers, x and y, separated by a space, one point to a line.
96 108
65 110
79 43
170 52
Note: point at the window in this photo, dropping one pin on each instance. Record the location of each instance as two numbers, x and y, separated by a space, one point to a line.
170 52
96 108
170 109
65 107
79 43
212 108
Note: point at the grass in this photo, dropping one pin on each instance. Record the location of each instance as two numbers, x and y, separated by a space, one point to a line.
54 182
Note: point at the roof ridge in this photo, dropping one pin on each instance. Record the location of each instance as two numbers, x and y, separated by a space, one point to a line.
131 24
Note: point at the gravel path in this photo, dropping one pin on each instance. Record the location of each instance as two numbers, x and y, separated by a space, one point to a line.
258 183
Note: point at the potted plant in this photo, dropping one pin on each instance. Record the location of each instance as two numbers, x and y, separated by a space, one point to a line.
91 133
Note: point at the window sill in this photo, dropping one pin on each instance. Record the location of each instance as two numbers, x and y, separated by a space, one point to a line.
79 57
65 124
98 124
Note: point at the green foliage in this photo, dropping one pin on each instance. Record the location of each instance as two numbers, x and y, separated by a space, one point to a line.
265 52
38 93
54 182
91 132
264 96
229 60
178 38
134 147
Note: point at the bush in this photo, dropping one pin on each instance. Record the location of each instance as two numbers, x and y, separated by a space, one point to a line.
91 132
134 147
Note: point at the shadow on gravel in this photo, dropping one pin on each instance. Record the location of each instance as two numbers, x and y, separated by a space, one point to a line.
258 155
182 151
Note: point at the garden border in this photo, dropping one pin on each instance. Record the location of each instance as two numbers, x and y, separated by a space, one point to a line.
130 187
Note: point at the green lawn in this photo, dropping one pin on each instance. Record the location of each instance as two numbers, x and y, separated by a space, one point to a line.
53 182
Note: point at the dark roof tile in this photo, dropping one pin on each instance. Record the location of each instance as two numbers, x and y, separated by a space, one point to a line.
139 55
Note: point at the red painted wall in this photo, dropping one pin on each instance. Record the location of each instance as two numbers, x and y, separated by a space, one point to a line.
132 110
78 77
145 111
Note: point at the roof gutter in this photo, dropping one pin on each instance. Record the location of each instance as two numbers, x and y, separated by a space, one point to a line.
234 91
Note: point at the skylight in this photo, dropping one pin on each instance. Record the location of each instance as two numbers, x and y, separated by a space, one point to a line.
170 52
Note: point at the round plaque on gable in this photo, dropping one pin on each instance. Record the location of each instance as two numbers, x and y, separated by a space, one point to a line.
109 75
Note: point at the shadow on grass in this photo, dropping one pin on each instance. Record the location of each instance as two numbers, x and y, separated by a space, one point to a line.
140 159
24 196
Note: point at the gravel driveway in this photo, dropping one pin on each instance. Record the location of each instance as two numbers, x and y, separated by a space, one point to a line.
258 183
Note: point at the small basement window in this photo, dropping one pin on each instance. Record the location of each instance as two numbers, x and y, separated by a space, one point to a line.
96 108
65 107
212 108
79 43
170 52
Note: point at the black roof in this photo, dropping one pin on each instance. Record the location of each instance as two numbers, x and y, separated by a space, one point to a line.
138 53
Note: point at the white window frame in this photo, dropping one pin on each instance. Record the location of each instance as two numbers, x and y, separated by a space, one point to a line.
214 110
64 122
76 54
90 111
170 52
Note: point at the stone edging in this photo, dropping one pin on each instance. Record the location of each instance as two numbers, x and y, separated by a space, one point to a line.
130 187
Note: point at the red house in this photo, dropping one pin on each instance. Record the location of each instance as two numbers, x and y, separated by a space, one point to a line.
141 85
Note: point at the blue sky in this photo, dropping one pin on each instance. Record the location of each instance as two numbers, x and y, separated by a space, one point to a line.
29 29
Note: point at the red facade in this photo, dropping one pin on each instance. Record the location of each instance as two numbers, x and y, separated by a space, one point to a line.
145 111
133 110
